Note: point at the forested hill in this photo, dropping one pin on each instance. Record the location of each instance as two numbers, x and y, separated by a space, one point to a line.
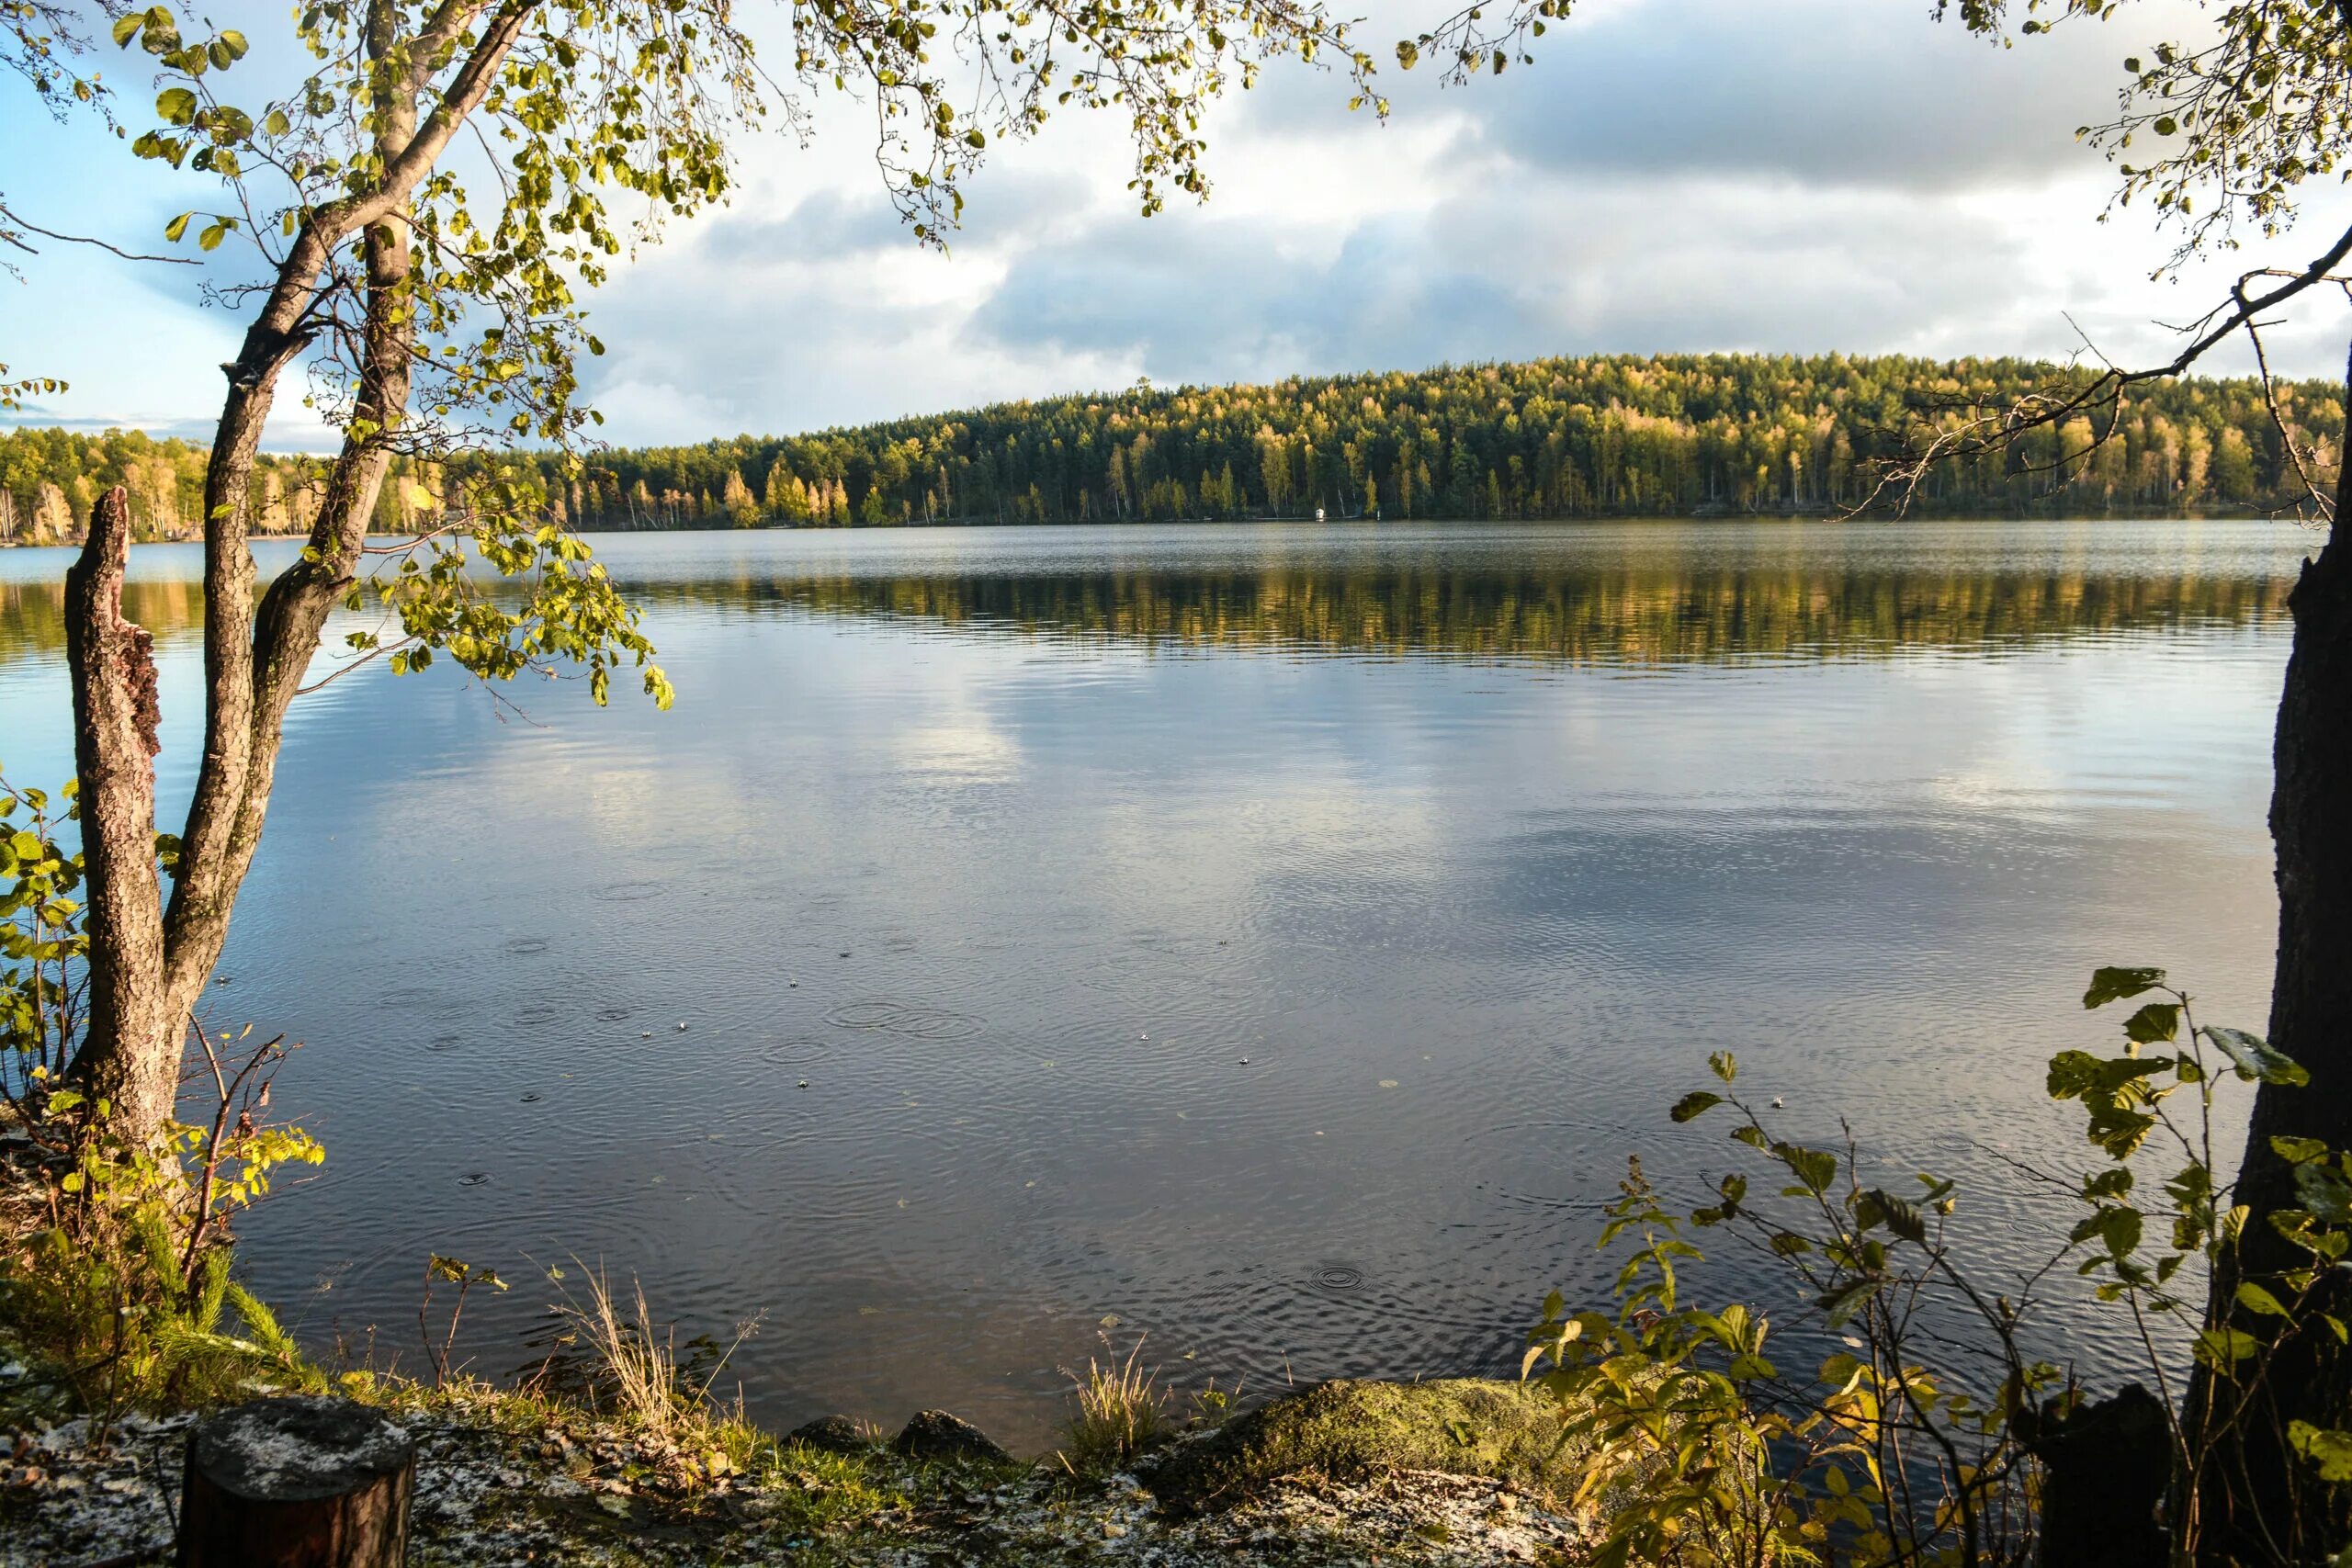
50 479
1608 435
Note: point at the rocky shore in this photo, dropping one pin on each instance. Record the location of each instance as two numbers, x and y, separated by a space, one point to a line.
1450 1472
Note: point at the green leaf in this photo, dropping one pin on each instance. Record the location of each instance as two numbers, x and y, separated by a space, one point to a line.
2299 1151
2154 1022
2259 1301
2320 1184
2329 1449
2254 1058
2222 1348
2120 1228
177 105
2113 1182
1896 1214
1694 1105
1841 1305
127 27
2111 985
2119 1133
1815 1169
1724 1065
176 227
2078 1074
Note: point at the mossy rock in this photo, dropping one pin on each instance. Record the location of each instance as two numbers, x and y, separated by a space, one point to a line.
935 1435
1350 1431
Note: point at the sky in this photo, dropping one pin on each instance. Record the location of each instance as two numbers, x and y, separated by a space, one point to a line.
1777 175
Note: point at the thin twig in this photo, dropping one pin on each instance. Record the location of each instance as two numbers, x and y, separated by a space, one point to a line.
80 239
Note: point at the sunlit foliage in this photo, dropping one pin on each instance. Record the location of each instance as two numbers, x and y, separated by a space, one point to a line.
1610 436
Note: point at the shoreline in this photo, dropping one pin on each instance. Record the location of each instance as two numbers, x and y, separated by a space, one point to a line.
979 524
505 1478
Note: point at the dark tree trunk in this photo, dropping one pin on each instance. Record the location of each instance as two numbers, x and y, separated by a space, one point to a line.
299 1482
2263 1503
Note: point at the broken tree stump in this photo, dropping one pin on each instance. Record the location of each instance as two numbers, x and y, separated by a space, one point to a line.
2106 1467
296 1483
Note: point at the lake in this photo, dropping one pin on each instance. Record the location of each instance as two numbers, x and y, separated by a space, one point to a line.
1268 939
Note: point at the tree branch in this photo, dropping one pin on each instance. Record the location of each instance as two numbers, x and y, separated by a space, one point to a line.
78 240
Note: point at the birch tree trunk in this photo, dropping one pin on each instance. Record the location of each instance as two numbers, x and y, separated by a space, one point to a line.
149 962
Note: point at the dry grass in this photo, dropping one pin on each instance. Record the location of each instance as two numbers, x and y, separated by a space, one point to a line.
634 1368
1122 1411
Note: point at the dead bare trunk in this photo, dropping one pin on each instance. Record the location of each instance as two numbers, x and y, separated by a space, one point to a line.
130 1053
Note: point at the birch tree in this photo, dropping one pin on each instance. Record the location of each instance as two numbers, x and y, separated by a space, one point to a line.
429 206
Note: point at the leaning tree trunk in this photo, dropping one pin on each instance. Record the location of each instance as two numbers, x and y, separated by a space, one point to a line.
149 965
2263 1503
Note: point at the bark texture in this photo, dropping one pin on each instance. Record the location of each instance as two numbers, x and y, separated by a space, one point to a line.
131 1053
2264 1502
150 964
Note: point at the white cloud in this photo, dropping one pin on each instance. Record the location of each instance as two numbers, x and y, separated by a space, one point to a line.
1804 177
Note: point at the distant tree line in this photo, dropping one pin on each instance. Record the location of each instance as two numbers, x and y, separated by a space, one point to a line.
1611 435
50 479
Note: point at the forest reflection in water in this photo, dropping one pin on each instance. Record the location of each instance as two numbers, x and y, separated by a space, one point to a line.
1273 938
1690 616
1706 610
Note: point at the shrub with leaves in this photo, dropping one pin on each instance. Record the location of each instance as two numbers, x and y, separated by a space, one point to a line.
41 944
116 1274
125 1292
1933 1439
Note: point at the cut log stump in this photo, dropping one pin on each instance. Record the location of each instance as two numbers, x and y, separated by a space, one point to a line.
297 1483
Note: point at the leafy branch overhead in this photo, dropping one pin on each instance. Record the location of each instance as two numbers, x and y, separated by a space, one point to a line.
598 120
427 200
580 100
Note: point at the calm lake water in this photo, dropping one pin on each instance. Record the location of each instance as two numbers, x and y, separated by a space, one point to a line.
1273 938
